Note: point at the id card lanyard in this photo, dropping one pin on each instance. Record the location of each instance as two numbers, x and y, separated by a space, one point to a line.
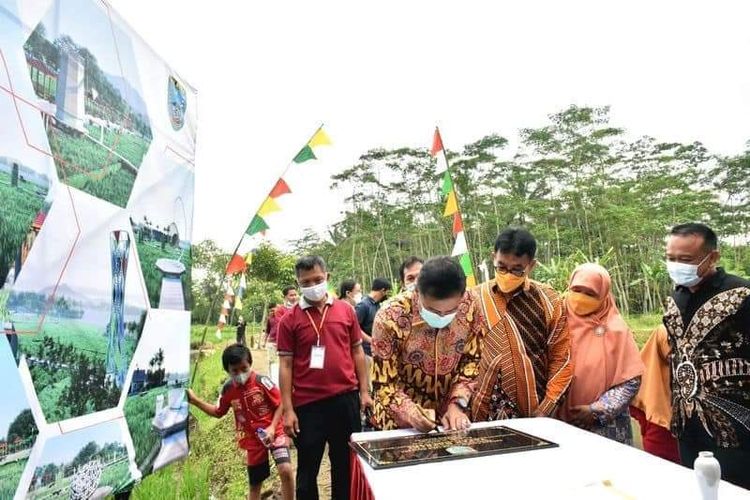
318 352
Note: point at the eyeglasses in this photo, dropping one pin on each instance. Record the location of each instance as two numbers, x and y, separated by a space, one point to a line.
515 272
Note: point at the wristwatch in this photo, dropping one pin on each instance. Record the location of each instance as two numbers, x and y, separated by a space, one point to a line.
462 403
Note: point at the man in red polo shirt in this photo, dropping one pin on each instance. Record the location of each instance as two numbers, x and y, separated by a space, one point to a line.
323 379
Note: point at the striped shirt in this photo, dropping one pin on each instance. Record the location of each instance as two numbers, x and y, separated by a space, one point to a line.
525 368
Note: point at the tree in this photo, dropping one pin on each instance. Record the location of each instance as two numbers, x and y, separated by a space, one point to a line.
588 191
86 454
22 427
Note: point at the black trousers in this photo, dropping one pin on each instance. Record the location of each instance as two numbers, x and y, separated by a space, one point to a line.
735 462
331 421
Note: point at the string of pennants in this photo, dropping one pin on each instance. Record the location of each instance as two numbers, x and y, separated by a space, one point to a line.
452 209
234 288
258 223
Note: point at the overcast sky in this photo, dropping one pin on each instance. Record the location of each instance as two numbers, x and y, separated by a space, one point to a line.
384 74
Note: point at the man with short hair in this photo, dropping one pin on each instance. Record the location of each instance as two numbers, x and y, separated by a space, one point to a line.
409 272
323 379
368 308
426 347
708 327
241 326
290 300
525 369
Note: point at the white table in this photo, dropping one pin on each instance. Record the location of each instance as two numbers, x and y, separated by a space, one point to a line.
574 470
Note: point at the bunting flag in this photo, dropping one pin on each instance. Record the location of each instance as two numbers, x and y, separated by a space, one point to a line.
256 226
279 189
268 207
447 184
270 204
305 154
451 206
448 190
458 223
319 139
236 265
459 247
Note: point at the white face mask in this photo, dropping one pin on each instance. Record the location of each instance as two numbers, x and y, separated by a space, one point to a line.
435 320
357 298
315 293
411 287
241 378
685 274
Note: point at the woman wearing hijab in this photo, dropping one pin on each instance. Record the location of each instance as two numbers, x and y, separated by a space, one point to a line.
607 364
652 406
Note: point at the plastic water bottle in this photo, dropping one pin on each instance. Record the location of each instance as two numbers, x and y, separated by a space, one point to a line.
263 436
708 473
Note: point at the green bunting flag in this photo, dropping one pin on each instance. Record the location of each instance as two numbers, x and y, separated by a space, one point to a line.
305 154
447 183
256 226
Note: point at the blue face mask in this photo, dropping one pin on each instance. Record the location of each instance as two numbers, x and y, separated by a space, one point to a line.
435 320
685 274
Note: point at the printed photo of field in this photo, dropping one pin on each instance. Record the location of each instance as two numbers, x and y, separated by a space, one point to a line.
161 215
23 206
79 334
18 430
83 70
88 463
156 409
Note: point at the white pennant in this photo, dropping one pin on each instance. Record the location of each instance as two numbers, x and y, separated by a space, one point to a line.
218 333
442 163
460 248
223 319
243 282
226 305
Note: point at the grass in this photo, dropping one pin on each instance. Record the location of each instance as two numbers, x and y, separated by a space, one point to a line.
228 334
10 474
19 206
91 168
642 326
139 412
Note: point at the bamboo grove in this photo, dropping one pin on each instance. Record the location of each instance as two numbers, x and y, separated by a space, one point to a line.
588 190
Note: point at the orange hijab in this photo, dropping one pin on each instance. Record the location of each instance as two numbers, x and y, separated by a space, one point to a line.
604 353
655 394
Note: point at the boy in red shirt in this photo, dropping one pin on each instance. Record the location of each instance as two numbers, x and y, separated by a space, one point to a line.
256 403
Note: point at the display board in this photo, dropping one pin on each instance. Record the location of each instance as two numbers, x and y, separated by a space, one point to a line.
418 449
97 147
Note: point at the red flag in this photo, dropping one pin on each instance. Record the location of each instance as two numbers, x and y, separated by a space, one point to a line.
458 223
279 189
236 265
437 143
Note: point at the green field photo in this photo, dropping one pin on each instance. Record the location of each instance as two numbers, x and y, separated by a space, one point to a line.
94 113
88 463
22 203
67 361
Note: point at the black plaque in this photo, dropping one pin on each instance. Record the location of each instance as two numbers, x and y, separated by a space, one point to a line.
436 446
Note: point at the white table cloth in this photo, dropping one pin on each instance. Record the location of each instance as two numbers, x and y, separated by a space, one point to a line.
574 470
